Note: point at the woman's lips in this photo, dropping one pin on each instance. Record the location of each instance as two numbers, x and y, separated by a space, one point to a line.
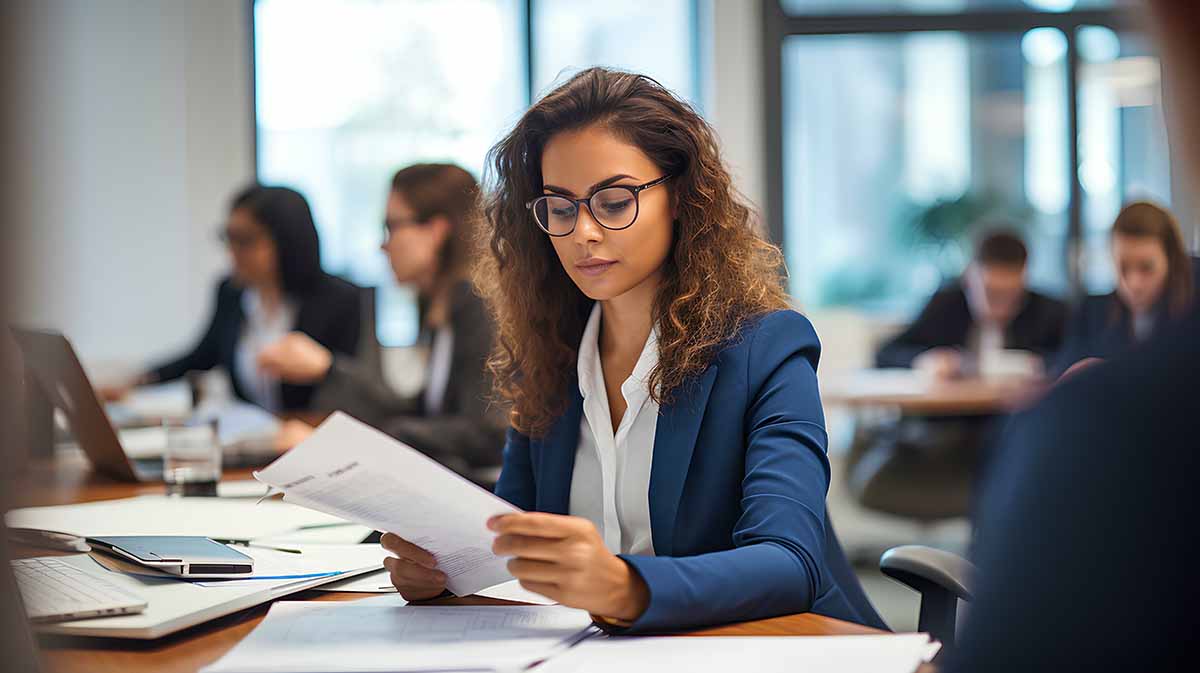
594 267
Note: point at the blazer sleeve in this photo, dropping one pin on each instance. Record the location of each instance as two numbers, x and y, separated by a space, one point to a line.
516 483
359 390
927 331
1077 341
470 432
206 354
776 564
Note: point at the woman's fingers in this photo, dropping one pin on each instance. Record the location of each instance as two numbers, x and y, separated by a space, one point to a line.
525 546
528 570
407 550
536 524
414 581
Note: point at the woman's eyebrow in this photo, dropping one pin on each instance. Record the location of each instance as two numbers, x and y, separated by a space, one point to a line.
599 185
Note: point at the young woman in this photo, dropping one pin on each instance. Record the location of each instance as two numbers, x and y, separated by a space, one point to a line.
431 213
1154 286
667 436
277 286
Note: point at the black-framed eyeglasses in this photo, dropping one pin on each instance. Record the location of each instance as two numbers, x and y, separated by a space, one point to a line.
613 208
237 239
392 225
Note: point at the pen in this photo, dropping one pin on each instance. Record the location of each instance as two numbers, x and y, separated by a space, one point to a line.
248 543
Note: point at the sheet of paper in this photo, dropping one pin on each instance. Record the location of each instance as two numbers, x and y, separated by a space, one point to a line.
313 561
350 470
362 637
378 582
513 591
163 515
810 654
239 422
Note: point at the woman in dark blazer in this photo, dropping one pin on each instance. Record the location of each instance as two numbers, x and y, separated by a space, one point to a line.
277 286
1155 286
429 227
667 440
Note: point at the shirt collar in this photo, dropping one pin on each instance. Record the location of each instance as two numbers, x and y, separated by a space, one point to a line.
589 369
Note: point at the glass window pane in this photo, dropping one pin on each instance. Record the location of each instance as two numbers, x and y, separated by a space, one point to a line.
1123 152
349 91
887 181
653 38
831 7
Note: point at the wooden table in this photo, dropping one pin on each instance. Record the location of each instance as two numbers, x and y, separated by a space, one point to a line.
913 394
64 481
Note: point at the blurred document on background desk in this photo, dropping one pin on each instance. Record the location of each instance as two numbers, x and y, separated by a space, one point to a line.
901 653
165 515
350 470
374 636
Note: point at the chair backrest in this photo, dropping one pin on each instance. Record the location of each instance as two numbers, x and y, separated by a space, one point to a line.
843 575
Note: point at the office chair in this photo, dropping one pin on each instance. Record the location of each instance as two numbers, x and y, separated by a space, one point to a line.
941 577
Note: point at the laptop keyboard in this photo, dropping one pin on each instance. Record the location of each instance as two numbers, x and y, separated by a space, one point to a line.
53 591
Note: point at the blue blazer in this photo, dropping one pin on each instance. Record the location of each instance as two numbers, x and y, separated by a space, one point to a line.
737 487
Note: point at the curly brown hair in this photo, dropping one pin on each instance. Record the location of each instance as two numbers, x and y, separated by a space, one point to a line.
718 274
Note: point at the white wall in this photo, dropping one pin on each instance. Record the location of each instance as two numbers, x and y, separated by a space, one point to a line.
135 126
734 92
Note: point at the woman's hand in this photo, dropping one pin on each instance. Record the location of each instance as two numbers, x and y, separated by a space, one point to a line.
295 358
413 570
942 362
292 432
564 558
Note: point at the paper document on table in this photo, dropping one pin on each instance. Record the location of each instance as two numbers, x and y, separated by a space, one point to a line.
901 653
166 515
378 582
350 470
310 637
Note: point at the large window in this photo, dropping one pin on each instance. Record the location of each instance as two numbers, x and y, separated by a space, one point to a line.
887 180
905 127
349 91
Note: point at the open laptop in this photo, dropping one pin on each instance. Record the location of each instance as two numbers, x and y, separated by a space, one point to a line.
16 639
52 360
133 454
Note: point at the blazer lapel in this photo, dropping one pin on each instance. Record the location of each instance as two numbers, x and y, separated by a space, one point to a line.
556 461
674 440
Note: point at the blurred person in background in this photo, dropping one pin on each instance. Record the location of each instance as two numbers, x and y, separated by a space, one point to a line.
429 231
988 309
1155 286
277 286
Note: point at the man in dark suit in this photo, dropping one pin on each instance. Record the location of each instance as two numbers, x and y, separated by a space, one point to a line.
989 307
1086 523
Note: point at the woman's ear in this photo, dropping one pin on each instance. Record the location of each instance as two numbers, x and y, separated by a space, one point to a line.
440 227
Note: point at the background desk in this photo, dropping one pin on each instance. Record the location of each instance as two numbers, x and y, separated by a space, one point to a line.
64 481
914 395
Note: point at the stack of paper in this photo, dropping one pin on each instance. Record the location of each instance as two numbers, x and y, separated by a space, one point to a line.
163 515
794 654
374 636
352 471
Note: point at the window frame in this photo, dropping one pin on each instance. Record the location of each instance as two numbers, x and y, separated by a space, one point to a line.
777 25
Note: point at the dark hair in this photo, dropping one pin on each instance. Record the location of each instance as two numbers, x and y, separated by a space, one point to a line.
285 214
1143 219
718 274
1001 247
449 191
